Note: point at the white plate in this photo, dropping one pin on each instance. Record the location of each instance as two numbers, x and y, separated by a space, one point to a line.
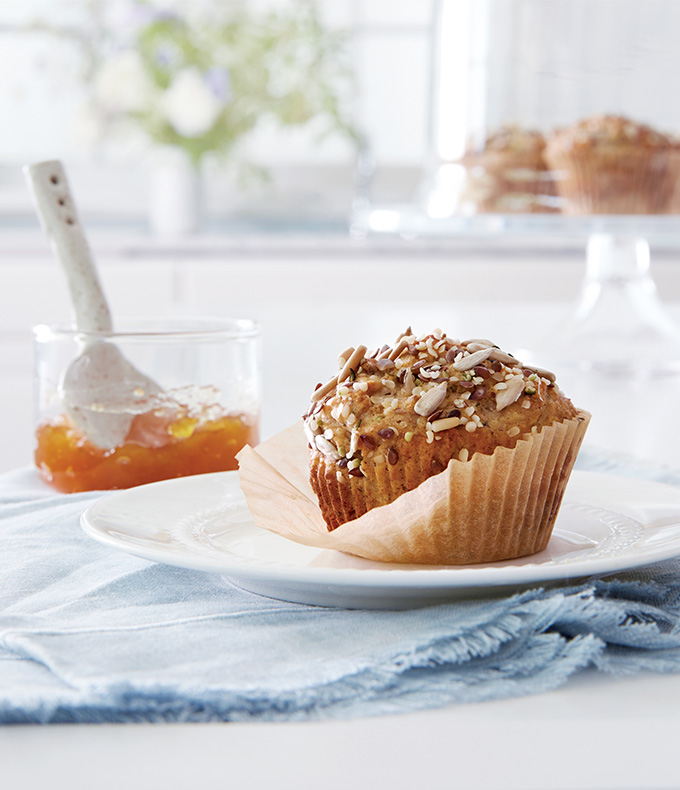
606 524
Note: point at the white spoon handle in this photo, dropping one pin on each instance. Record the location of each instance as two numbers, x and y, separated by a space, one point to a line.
57 211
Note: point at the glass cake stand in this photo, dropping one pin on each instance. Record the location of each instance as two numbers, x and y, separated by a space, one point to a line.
534 104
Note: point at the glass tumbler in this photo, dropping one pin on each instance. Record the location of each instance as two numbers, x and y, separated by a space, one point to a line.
155 399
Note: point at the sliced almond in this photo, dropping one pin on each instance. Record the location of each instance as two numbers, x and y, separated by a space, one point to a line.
320 393
431 400
352 363
473 359
407 333
506 359
409 381
325 447
509 395
309 433
346 354
397 350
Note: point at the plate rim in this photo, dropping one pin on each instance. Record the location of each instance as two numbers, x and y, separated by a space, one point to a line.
436 577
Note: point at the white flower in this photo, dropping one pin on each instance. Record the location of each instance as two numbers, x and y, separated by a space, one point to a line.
189 105
122 84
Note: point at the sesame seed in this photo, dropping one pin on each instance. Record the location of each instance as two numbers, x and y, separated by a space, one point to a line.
471 426
338 476
526 403
464 454
513 431
500 386
429 437
328 434
351 419
469 411
343 391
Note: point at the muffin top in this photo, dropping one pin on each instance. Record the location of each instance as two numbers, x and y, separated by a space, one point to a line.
512 139
428 389
602 131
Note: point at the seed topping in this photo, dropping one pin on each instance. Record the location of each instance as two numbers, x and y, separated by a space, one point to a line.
447 382
466 363
367 441
514 388
431 400
446 424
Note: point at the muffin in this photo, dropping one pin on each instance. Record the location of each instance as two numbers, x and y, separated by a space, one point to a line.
508 175
501 436
608 164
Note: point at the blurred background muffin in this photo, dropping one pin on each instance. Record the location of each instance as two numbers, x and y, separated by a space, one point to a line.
508 174
608 164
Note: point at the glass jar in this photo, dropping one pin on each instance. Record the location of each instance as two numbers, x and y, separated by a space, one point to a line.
155 399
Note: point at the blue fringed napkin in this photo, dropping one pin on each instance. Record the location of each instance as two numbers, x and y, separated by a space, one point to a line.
89 634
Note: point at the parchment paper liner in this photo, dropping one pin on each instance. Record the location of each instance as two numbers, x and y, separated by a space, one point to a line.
615 180
490 508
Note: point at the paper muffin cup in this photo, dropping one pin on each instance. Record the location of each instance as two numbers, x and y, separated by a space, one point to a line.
614 180
490 508
674 171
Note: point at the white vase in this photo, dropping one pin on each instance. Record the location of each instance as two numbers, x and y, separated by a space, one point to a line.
174 194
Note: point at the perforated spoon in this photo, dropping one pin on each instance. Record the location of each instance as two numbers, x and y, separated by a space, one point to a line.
101 390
